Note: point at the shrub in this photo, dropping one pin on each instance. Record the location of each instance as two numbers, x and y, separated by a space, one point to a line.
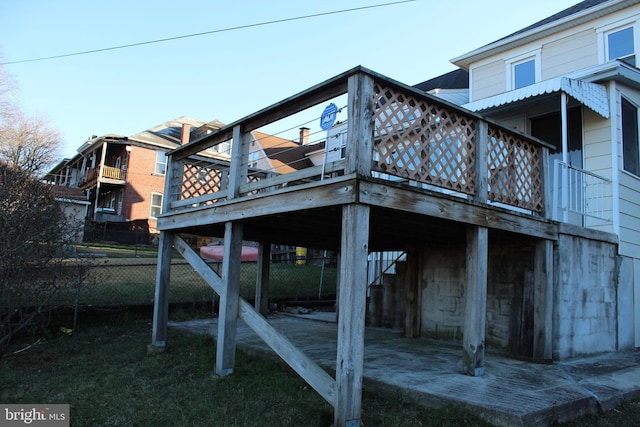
32 235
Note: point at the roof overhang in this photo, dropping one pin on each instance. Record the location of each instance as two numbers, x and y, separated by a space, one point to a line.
521 38
591 95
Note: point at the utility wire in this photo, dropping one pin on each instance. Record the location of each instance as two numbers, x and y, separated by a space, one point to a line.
239 27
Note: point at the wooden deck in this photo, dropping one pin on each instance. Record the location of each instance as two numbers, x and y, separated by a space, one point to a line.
416 171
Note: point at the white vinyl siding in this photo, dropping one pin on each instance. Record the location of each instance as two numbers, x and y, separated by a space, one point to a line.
488 80
565 55
597 159
629 215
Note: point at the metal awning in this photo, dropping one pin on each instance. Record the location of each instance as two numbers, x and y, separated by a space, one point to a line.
591 95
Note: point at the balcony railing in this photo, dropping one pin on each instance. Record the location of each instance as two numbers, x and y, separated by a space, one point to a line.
394 132
113 173
579 195
108 172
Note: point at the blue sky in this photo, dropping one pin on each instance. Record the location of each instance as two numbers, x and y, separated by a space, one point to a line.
227 75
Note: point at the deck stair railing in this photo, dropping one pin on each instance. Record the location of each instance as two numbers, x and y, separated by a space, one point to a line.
381 263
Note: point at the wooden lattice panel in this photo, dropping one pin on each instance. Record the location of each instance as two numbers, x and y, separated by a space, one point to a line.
199 180
515 171
423 142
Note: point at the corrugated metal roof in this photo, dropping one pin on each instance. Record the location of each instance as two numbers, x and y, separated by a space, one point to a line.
591 95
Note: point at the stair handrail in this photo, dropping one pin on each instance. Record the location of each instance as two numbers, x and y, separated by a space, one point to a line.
383 272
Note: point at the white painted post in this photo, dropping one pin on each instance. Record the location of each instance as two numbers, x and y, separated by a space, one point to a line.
473 341
352 300
229 299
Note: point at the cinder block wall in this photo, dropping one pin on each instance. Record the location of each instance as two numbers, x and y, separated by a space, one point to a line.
585 309
509 307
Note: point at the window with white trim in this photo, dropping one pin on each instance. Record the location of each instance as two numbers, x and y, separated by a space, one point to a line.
524 73
161 163
156 205
630 139
620 45
523 70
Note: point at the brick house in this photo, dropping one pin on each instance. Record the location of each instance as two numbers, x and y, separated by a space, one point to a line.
123 177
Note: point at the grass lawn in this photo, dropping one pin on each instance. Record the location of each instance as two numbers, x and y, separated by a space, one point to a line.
105 374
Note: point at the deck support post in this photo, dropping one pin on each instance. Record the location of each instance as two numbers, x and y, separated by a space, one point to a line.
412 292
262 279
473 341
161 300
352 298
229 299
543 301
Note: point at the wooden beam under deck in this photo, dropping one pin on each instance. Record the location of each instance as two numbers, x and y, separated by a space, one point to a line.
290 200
438 205
309 215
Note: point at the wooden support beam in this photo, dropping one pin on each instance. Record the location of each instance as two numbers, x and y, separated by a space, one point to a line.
359 148
229 299
262 278
473 341
543 301
454 209
413 291
482 162
310 371
352 302
201 267
161 299
239 162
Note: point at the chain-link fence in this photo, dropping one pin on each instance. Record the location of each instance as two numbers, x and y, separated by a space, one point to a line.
131 282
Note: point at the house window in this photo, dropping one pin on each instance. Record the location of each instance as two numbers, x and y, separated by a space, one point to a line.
630 148
620 45
524 73
156 205
161 163
253 159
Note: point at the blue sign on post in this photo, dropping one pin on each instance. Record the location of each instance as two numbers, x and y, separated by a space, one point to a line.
328 117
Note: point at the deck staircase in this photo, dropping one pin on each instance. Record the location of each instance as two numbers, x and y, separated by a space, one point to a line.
385 297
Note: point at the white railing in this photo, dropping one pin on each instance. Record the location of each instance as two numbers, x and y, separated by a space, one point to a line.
381 263
579 194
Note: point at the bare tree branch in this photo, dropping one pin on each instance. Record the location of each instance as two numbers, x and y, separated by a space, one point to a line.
29 143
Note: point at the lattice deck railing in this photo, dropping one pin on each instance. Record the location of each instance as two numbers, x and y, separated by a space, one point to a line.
416 139
423 142
435 144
